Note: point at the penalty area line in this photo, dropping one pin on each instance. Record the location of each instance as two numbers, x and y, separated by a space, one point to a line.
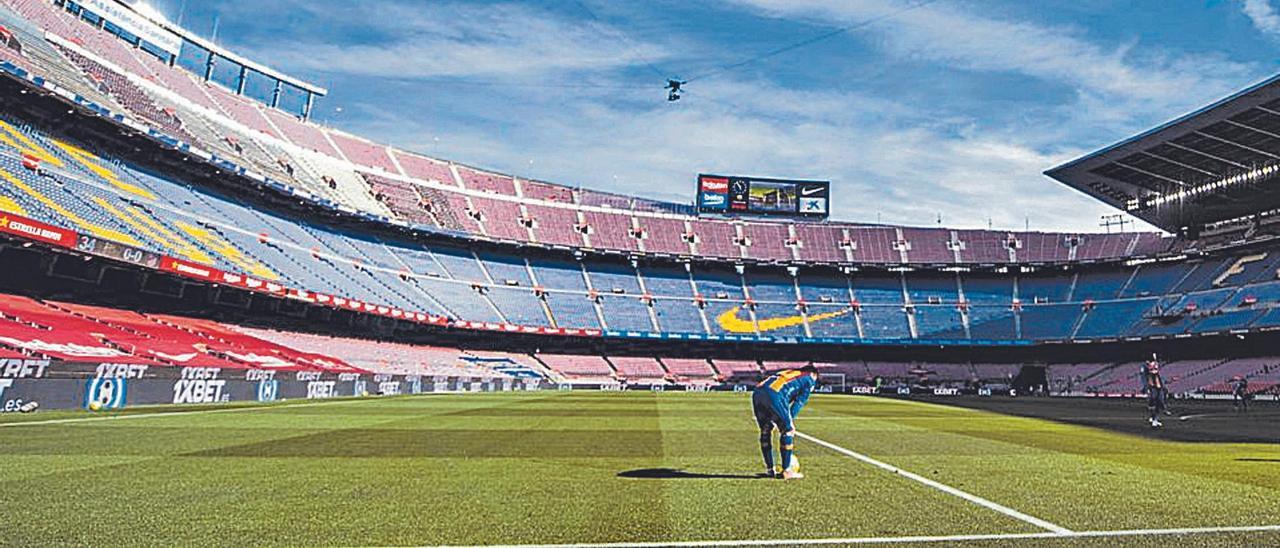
1026 518
939 539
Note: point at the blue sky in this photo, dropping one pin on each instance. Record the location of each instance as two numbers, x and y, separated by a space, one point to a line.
953 109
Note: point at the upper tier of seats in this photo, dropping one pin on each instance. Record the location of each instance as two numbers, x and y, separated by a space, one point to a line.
61 183
437 195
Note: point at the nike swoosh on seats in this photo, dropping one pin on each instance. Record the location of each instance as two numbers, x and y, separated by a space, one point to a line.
729 321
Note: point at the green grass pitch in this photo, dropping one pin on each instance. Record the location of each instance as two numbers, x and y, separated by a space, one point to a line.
553 467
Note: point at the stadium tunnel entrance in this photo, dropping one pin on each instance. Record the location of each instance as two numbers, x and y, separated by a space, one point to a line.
1031 379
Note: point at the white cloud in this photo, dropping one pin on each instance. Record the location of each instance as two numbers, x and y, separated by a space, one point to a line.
904 163
887 160
1264 16
426 40
957 36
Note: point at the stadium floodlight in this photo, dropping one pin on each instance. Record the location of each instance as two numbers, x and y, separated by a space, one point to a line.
1250 176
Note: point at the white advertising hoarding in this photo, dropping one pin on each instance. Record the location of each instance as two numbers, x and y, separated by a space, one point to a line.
126 18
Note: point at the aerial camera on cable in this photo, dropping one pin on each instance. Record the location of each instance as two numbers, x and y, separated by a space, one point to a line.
674 87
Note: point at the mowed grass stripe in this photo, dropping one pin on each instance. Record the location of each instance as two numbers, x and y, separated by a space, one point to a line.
1020 516
1079 477
499 469
716 435
1212 534
98 446
221 482
162 411
191 495
169 495
43 448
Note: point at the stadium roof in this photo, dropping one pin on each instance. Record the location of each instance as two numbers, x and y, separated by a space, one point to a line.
139 9
1216 164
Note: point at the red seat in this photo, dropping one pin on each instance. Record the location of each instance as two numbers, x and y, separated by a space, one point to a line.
37 328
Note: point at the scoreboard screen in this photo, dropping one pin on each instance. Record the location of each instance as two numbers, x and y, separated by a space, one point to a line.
733 195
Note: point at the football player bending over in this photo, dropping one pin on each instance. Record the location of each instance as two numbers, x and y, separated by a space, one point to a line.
776 402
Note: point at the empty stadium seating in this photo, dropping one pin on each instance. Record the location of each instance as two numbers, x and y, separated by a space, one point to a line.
738 369
686 369
29 327
78 191
382 357
209 115
80 333
638 368
78 188
611 271
581 368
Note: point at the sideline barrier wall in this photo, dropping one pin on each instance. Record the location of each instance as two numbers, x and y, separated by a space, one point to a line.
61 385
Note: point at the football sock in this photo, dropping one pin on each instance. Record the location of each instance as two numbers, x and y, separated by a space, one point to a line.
788 445
766 448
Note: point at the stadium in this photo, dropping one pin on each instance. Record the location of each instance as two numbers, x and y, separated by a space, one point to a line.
222 322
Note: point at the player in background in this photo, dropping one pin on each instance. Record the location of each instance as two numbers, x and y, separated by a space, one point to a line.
1240 393
1153 385
776 401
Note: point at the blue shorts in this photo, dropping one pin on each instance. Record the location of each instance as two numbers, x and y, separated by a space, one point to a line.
771 410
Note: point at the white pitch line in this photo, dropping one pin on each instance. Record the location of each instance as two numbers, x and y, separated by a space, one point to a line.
1057 529
1201 415
177 413
916 539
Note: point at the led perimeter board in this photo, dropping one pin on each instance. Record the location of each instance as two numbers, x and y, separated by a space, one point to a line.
734 195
